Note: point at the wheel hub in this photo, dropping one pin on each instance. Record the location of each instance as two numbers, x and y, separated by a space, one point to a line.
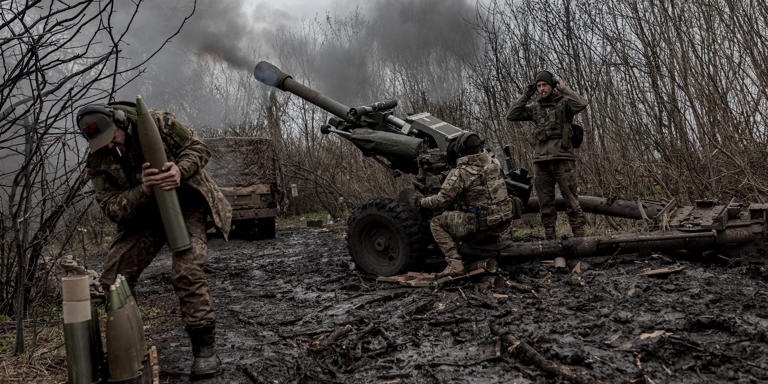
381 243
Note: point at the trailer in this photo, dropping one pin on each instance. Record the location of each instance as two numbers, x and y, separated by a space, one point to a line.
248 172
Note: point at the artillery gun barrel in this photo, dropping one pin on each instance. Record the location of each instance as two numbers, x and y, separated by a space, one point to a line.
271 75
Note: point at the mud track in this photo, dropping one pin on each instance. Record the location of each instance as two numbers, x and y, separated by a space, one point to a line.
294 310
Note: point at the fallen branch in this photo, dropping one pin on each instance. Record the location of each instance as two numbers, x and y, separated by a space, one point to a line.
521 350
325 342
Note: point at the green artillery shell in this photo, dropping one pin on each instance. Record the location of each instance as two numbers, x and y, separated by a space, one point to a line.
167 201
114 299
122 351
135 316
77 329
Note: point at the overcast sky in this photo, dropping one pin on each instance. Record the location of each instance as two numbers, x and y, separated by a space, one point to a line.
237 32
307 8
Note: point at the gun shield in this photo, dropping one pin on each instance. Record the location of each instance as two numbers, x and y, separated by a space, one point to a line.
167 201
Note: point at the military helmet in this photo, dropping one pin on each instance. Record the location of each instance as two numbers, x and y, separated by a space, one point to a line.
469 143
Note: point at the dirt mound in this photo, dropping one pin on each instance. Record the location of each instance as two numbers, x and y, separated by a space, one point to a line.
295 310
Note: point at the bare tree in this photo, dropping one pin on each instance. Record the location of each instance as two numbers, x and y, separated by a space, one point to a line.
56 57
677 95
677 90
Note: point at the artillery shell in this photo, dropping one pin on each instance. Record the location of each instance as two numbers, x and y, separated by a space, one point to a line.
167 201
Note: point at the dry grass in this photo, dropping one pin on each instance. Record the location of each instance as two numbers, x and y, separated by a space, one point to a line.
44 359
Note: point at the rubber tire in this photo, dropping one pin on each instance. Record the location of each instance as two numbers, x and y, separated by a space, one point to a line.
383 237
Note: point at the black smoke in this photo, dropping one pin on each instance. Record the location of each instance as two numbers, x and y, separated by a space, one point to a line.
238 34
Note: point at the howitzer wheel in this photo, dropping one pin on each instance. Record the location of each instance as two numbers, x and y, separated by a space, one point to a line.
383 237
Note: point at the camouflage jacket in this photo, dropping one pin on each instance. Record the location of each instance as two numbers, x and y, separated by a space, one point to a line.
552 117
476 185
117 180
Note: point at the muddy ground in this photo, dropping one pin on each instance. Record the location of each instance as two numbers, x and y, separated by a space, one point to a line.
294 310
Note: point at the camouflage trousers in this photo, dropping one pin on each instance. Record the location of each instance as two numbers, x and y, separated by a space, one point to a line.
562 173
450 226
136 247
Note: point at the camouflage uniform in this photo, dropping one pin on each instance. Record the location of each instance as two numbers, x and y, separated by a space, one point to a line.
476 186
554 160
117 184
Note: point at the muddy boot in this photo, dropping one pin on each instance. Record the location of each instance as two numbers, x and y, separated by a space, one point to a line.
206 363
549 233
578 231
454 268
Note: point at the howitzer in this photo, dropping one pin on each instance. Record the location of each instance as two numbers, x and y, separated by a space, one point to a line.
386 236
416 145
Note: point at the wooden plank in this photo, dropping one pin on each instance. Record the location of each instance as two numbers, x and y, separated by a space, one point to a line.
150 372
419 279
238 214
258 189
662 271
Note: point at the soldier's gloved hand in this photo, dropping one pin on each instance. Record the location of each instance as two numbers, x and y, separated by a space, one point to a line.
417 201
530 90
411 198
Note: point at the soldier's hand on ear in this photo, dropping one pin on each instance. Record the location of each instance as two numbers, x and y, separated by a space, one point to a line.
530 90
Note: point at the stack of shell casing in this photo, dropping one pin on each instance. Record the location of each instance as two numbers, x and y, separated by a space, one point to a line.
82 335
126 347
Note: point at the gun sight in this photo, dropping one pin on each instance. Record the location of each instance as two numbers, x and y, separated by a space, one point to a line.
375 107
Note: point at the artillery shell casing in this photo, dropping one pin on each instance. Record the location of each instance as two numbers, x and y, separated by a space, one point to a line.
135 316
77 330
97 346
167 201
122 351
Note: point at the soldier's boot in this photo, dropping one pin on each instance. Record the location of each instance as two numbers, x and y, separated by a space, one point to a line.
549 233
578 231
455 266
206 362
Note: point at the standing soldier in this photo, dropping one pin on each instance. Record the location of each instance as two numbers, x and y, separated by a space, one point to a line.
554 160
475 197
123 182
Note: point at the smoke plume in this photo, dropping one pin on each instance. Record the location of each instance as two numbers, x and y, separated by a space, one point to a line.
406 32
